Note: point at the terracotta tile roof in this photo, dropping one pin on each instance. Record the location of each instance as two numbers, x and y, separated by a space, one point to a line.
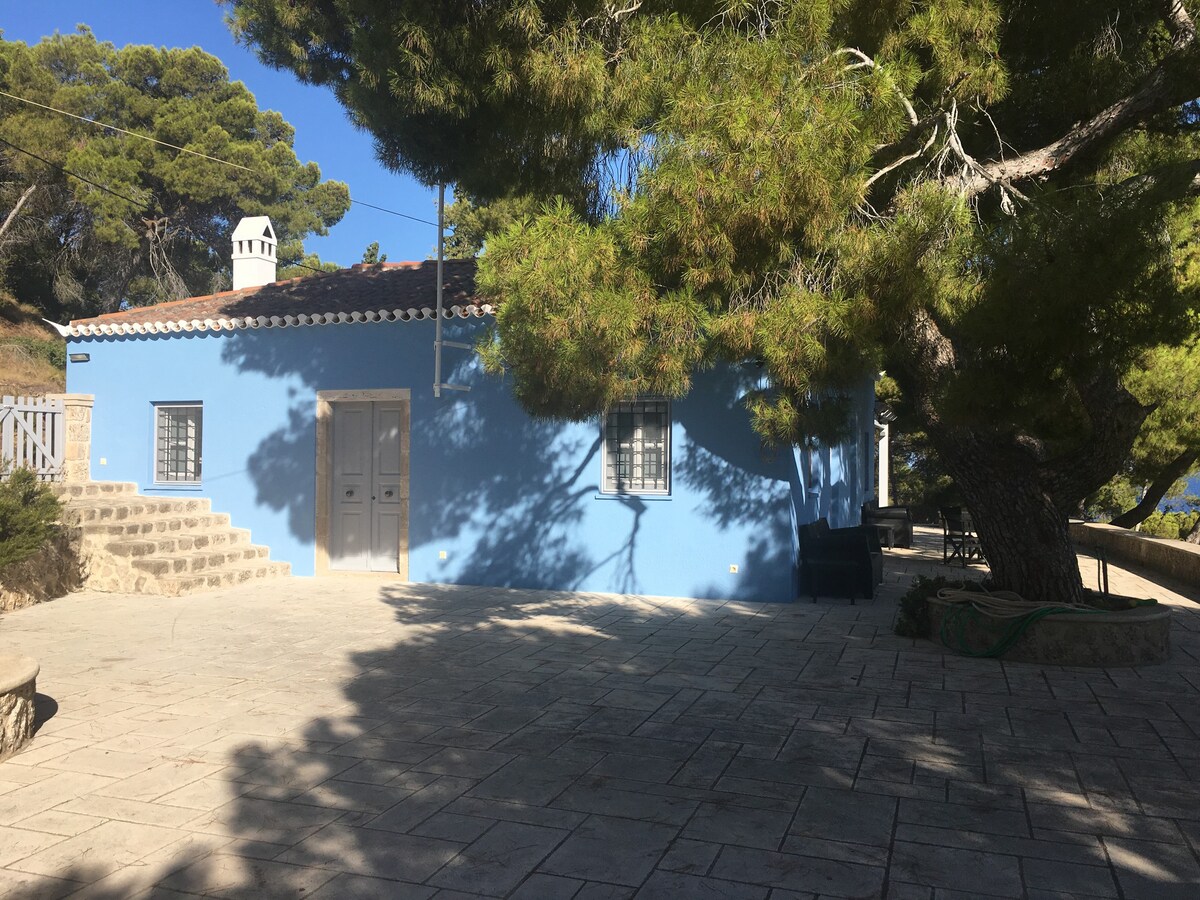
362 293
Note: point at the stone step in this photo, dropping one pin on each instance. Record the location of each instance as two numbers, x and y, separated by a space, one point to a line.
88 510
95 489
202 560
176 585
158 526
168 545
183 542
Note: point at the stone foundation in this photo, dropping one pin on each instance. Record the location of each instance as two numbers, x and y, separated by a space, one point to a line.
54 571
18 686
1127 638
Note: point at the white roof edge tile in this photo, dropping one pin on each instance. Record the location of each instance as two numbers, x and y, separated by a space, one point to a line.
117 329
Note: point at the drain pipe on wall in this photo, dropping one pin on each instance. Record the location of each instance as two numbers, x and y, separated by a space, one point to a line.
437 340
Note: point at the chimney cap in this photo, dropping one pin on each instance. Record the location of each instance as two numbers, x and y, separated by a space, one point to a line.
254 253
254 228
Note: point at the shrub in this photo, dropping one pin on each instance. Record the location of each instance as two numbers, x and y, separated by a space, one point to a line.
912 618
28 515
1173 525
49 351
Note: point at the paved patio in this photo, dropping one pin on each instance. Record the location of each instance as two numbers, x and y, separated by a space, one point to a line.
352 738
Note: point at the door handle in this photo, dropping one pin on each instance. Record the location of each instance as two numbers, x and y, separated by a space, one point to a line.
387 493
349 493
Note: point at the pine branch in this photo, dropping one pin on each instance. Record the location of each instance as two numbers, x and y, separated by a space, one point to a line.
12 215
897 163
1174 182
1179 23
1171 473
1174 81
866 62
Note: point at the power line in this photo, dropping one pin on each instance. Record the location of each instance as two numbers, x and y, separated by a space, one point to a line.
106 190
392 211
65 171
144 137
224 162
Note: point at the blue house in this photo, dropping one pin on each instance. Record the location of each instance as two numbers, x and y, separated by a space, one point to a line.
306 410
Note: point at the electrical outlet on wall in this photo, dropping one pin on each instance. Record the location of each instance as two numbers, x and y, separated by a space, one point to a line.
733 569
103 461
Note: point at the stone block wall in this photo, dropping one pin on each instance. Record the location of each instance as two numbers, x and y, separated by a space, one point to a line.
1175 559
78 453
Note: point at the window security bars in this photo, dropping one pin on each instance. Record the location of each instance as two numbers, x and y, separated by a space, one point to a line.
178 443
637 448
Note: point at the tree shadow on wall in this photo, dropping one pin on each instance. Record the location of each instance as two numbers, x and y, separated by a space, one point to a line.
513 487
744 483
282 471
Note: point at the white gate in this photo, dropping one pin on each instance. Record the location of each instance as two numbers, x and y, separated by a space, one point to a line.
33 435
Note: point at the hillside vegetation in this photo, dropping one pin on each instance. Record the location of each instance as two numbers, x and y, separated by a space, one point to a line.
32 354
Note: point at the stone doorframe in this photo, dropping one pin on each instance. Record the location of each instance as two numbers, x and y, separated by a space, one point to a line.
325 401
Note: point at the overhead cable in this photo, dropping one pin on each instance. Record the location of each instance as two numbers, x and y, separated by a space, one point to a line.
224 162
107 190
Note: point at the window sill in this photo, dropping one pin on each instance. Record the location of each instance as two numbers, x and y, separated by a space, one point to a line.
632 495
175 486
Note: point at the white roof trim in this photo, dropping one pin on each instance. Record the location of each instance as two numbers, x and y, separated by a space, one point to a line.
289 321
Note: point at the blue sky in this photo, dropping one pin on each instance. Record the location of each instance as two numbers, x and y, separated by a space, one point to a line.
323 133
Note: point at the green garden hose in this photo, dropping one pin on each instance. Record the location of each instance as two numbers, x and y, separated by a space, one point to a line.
974 607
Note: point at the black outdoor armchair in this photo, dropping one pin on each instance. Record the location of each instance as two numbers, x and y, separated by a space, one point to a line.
895 520
839 562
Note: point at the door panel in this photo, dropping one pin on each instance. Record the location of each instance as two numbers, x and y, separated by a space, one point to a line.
369 505
351 526
387 504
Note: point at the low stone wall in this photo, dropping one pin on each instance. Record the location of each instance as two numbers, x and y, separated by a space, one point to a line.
54 571
1127 638
1178 560
18 687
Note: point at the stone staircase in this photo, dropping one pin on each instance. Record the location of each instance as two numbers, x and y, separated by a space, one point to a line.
170 546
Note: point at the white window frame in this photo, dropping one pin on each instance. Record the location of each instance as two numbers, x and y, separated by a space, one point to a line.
636 486
159 409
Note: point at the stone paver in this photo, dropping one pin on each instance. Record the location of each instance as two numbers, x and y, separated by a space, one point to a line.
344 738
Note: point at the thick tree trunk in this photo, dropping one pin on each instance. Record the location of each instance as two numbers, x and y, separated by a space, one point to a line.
1018 489
1022 530
1172 472
1193 536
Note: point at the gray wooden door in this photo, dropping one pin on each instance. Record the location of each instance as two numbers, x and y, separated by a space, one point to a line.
369 502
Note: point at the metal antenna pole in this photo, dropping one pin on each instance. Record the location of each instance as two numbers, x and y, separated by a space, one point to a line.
437 341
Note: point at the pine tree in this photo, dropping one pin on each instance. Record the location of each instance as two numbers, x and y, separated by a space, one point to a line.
971 194
143 222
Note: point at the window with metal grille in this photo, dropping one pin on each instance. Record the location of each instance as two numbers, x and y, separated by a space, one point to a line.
178 442
637 451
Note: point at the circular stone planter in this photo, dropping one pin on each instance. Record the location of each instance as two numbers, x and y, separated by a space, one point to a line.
18 684
1131 637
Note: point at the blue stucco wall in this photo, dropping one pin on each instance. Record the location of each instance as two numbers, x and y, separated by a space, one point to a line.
512 501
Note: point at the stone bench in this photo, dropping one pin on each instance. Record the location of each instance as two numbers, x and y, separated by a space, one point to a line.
1178 560
18 685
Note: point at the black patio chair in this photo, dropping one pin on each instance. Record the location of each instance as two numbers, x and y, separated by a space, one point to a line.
839 562
959 541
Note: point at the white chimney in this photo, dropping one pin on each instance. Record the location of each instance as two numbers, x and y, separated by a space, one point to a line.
253 253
